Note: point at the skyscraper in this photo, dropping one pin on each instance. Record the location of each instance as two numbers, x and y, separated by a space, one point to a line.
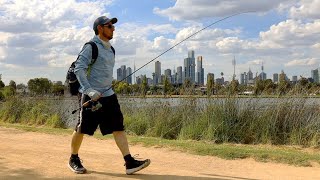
275 78
179 75
128 72
189 67
315 75
200 71
157 72
123 71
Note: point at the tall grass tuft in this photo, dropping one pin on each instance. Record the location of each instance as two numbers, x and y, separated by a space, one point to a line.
31 112
281 121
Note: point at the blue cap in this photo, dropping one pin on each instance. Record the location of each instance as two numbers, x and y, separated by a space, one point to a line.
103 20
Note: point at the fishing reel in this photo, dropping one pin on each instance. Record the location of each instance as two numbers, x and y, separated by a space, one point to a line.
95 106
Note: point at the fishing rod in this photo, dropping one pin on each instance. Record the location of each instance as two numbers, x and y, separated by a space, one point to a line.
227 17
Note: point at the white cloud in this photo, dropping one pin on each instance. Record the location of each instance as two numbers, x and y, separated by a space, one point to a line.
199 9
306 9
303 62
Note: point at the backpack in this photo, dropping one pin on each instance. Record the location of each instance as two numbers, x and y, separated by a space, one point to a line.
71 79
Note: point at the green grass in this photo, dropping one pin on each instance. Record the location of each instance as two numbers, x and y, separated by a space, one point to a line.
296 156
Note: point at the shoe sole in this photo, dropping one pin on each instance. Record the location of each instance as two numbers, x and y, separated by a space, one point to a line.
131 171
77 172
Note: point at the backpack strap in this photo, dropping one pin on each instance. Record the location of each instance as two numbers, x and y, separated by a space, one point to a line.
94 55
114 52
94 51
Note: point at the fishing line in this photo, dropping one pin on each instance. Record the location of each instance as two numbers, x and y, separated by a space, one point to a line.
227 17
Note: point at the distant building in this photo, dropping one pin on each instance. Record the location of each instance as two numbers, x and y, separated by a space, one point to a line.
189 67
315 75
128 72
275 77
294 79
157 72
200 71
179 75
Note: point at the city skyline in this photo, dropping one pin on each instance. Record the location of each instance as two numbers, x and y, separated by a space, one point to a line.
282 34
197 76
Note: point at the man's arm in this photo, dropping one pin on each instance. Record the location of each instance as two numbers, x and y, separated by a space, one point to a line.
81 66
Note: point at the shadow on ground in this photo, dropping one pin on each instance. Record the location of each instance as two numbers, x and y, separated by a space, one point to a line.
25 174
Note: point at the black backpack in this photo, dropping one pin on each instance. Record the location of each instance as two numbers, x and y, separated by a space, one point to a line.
73 83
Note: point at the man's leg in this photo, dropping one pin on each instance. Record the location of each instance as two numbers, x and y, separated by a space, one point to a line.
76 142
132 165
122 142
75 162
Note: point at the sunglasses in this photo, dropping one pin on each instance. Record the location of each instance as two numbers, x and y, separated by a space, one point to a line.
110 26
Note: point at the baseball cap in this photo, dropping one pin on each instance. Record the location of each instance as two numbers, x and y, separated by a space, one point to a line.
103 20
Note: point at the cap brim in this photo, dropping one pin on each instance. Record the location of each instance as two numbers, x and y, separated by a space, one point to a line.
114 20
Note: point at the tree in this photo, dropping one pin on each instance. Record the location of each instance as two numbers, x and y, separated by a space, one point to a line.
166 86
39 86
1 84
234 85
13 84
210 85
144 86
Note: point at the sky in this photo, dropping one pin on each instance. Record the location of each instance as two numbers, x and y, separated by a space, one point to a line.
41 38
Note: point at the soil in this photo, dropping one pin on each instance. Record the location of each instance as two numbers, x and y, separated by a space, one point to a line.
34 155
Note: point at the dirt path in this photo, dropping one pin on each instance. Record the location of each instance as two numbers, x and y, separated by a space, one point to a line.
30 155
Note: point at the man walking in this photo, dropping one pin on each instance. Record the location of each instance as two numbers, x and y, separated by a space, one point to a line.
104 110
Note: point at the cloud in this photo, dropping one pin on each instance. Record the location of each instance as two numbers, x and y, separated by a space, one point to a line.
306 9
303 62
199 9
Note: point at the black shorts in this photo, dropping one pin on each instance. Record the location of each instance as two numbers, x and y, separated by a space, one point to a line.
109 117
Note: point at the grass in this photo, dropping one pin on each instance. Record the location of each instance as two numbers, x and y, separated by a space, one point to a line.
292 155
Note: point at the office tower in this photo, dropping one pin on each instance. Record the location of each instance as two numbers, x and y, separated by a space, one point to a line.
243 78
179 75
119 74
283 76
189 67
275 77
262 75
157 72
315 75
250 75
128 72
167 72
294 79
123 71
200 71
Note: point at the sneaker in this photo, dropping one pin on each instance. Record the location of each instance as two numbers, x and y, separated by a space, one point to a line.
136 165
76 166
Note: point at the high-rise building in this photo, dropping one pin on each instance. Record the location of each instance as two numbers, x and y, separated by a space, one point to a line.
123 71
294 79
119 74
167 72
189 67
179 75
128 72
157 72
275 78
250 75
243 78
315 75
200 71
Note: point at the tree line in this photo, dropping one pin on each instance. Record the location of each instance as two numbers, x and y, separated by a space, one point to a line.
44 86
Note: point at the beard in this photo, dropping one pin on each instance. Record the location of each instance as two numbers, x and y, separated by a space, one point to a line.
107 36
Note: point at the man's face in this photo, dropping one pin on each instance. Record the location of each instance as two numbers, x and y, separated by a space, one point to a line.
107 30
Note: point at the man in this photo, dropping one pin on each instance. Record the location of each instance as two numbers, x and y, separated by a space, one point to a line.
95 87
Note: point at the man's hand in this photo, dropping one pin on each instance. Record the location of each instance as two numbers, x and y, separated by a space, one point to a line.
93 94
